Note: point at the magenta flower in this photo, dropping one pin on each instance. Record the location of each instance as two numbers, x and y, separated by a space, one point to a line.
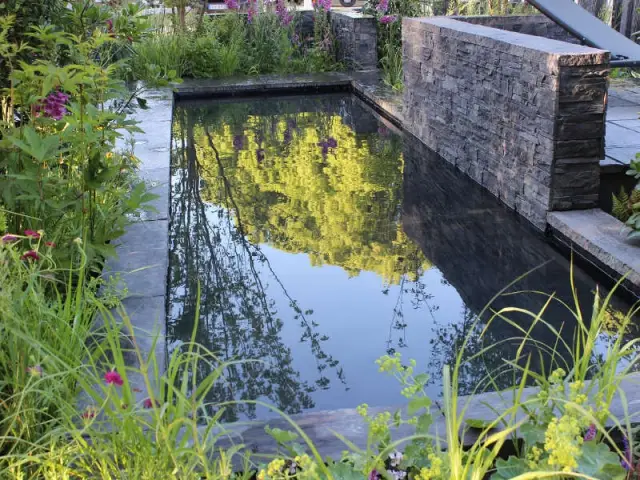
383 6
232 4
31 255
9 238
109 23
591 433
35 371
388 19
147 403
113 377
32 234
374 475
50 244
325 5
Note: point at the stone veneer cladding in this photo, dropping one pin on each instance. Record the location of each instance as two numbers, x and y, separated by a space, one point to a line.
356 39
523 116
537 25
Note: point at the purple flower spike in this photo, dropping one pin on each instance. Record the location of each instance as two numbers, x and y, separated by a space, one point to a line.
332 142
383 6
387 19
591 433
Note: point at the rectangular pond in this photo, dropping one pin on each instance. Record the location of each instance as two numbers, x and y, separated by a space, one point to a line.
321 238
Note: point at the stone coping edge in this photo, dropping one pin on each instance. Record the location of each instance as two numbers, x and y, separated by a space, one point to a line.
600 240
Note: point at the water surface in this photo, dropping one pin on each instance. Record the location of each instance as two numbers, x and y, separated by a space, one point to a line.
322 238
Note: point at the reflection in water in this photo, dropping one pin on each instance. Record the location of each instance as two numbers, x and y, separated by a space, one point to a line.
321 240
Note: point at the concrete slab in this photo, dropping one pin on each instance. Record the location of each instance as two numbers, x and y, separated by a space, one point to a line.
603 238
142 260
630 112
622 155
618 136
632 124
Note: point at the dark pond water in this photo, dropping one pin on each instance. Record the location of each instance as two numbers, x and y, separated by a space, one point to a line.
322 238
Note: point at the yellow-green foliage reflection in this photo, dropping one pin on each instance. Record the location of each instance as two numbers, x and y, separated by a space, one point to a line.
340 205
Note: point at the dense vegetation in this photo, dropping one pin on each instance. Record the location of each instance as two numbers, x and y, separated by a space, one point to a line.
67 193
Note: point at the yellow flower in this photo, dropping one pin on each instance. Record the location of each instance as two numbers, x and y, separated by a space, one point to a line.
563 439
434 471
262 475
109 154
274 469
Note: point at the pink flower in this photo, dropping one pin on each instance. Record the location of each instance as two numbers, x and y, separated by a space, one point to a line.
110 25
387 19
232 4
383 6
32 234
147 403
9 238
113 377
50 244
31 255
35 371
374 475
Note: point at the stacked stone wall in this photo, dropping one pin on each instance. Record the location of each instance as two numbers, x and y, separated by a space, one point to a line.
523 116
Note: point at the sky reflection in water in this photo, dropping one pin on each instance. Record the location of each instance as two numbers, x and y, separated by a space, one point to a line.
322 239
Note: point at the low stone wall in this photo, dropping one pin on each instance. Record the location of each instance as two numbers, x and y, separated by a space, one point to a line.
356 39
537 25
521 115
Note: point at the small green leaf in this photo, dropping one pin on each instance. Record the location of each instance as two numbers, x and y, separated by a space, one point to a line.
418 403
511 468
281 436
532 434
478 423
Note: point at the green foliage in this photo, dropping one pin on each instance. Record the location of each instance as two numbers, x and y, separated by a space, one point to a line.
632 203
59 168
228 45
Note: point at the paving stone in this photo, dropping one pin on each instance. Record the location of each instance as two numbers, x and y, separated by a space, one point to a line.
602 236
142 258
623 155
618 136
633 124
623 113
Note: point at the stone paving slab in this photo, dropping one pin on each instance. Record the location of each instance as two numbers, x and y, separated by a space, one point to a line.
604 239
619 136
631 112
142 259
